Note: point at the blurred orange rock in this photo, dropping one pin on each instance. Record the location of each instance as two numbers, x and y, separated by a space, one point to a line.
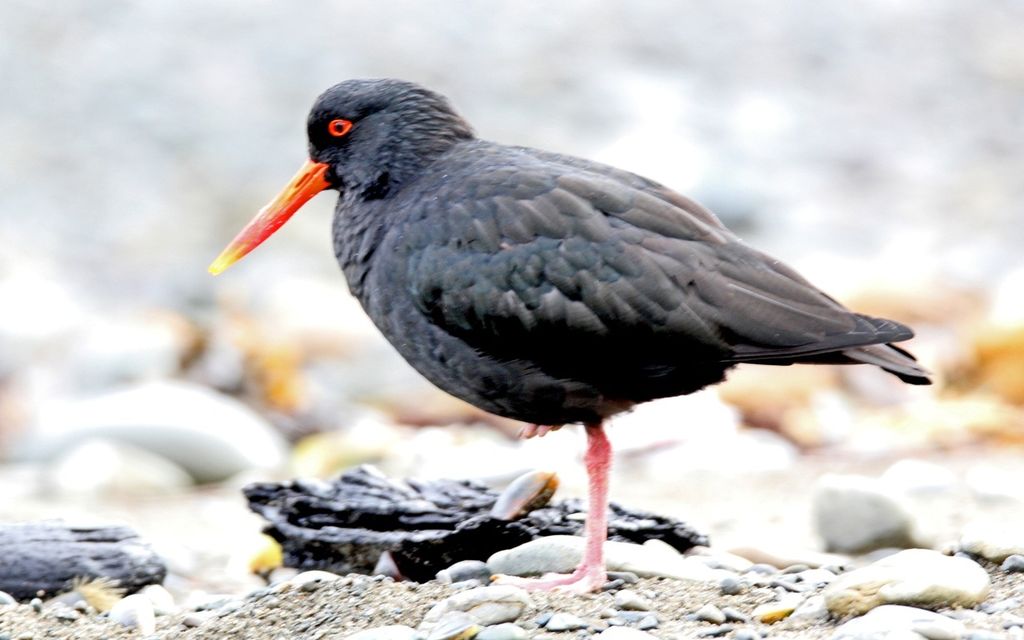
999 353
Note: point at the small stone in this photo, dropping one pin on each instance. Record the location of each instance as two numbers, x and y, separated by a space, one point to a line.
731 586
746 634
315 577
624 633
977 635
648 622
772 612
464 570
561 554
899 621
763 569
528 492
455 626
504 631
486 605
710 613
732 615
627 577
36 604
160 598
917 577
1013 564
390 632
816 577
715 632
995 542
631 601
6 598
66 614
134 612
196 618
565 622
812 608
855 514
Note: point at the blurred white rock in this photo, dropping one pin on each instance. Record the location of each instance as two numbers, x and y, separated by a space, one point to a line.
210 435
38 311
993 485
110 351
919 477
98 468
856 513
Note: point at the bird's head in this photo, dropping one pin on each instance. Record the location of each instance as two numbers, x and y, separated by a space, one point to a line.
366 138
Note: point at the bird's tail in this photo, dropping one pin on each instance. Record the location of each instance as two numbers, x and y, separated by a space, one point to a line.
893 359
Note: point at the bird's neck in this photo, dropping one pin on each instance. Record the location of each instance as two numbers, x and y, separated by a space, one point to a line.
358 231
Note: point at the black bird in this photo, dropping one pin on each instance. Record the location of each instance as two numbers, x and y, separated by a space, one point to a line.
547 288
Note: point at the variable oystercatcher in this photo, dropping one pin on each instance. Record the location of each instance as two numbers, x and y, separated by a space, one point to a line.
547 288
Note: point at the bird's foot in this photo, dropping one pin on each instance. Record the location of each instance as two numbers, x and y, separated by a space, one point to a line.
583 580
537 430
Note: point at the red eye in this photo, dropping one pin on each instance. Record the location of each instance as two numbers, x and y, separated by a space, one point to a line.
339 127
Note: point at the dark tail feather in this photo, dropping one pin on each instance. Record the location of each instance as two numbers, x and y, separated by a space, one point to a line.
893 359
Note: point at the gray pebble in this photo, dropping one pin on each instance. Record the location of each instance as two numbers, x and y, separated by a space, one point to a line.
732 615
631 601
543 618
731 586
1013 621
648 622
36 604
632 616
715 632
196 618
628 577
1013 564
505 631
66 614
795 568
762 568
710 613
6 598
565 622
465 570
746 634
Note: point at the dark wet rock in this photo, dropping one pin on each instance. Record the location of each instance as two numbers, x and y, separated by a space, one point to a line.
345 525
49 556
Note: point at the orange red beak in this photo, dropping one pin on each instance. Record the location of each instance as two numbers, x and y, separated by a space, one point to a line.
308 182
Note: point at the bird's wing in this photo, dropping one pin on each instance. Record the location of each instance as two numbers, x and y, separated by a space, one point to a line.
545 263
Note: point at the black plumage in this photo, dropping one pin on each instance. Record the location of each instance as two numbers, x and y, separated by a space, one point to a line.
551 289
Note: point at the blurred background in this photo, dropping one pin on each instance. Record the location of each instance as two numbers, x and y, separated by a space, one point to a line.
875 146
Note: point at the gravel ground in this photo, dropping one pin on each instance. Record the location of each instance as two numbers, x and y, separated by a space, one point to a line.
352 604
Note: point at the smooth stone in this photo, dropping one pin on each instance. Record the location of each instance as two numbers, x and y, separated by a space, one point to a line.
313 576
918 577
565 622
993 541
624 633
782 557
454 626
716 632
101 467
816 577
718 559
389 632
896 619
855 514
631 601
134 612
210 435
746 634
1013 564
731 586
504 631
486 605
6 598
772 612
813 608
464 570
919 477
648 622
710 613
160 598
561 554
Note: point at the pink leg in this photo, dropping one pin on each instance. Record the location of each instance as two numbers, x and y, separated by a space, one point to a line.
590 574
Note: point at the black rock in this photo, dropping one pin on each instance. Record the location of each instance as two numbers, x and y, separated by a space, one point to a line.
343 526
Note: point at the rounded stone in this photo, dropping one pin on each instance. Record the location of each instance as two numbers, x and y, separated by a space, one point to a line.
134 612
631 601
900 621
565 622
917 577
504 631
389 632
855 514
